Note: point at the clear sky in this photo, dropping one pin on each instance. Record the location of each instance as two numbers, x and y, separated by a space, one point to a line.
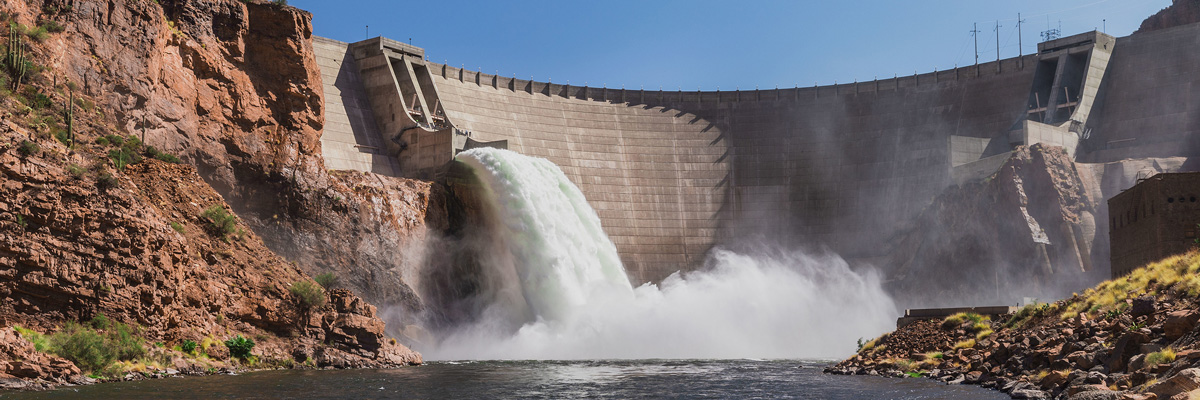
709 44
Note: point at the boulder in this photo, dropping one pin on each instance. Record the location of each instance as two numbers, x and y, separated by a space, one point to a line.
1179 323
1144 305
1183 382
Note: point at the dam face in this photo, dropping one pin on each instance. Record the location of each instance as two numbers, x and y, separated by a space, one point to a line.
849 166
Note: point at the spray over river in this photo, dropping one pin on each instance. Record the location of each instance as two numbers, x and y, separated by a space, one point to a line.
558 318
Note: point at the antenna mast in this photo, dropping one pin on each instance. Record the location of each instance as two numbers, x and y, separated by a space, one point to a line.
975 33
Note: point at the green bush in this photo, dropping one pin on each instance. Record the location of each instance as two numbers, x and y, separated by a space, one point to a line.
38 34
36 99
168 158
154 153
120 158
178 227
83 346
28 148
328 281
222 222
188 346
114 140
239 347
61 135
96 345
103 141
40 342
52 26
308 295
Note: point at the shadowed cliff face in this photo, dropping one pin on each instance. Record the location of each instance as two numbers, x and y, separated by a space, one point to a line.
232 87
1027 231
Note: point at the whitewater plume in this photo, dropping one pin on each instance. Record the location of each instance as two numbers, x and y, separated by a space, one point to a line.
563 293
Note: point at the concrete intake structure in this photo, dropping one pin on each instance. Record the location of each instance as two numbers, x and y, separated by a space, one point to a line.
847 166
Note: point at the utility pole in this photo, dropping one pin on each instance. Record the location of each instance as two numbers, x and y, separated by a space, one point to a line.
975 33
366 31
1020 45
997 40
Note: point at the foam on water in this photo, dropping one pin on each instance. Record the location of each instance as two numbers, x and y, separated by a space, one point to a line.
564 294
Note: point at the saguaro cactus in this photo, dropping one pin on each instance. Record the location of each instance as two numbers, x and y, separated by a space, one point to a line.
14 59
71 119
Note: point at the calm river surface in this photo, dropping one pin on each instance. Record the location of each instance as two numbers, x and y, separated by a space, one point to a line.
644 379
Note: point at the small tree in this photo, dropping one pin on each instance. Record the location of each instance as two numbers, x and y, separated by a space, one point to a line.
308 295
327 280
223 223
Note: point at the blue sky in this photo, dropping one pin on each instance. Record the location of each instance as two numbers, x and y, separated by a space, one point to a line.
709 44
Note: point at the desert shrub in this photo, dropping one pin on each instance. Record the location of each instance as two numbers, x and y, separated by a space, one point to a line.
188 346
308 295
40 341
966 344
958 319
239 347
52 26
120 158
935 354
76 171
83 346
178 227
61 135
904 364
103 141
168 158
38 34
28 148
94 346
1166 356
222 222
113 140
328 281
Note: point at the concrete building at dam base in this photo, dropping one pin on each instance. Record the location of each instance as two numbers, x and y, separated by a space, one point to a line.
848 167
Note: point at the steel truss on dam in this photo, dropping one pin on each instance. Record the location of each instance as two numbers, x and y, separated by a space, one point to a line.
845 166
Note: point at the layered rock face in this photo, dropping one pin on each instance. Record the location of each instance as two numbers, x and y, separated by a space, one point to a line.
232 87
137 249
1036 205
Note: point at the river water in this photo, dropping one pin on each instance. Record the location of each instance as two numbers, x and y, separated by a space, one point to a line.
640 379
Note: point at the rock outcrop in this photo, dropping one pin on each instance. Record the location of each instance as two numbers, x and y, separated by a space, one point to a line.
1031 223
1135 337
1180 12
233 89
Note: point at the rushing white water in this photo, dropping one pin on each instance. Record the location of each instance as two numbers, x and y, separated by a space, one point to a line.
564 293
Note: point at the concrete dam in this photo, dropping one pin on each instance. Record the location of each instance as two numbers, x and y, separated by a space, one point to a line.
847 166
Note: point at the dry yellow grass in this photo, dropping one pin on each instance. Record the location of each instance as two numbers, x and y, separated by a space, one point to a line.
1178 271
